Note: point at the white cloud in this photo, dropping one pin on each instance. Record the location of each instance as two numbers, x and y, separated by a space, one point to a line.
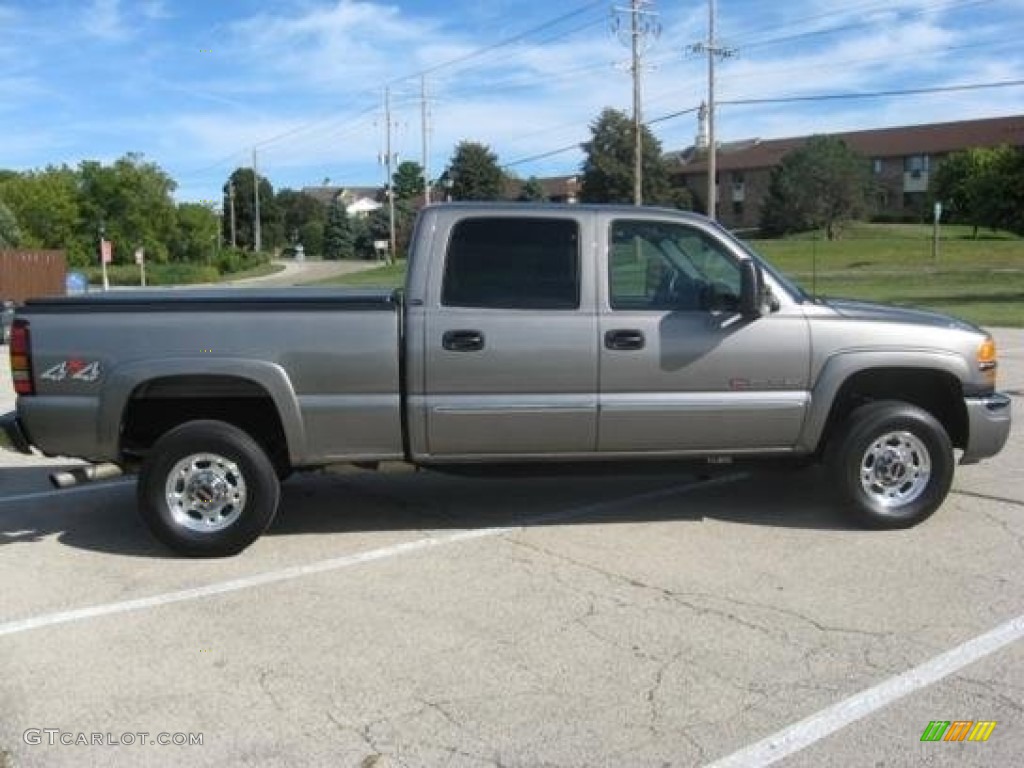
155 10
348 45
102 19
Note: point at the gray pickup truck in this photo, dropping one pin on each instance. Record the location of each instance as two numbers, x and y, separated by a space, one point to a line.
525 334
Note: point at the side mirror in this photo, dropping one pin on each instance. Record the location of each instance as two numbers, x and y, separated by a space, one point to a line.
752 289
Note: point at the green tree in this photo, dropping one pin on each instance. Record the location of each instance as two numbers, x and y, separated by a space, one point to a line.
132 200
983 187
608 165
45 205
271 224
198 232
303 219
10 234
338 240
475 173
533 191
311 236
408 181
819 185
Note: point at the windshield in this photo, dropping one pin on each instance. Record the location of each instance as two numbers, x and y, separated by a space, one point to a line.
789 285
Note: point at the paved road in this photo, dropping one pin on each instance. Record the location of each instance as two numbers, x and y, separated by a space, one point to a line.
415 619
302 272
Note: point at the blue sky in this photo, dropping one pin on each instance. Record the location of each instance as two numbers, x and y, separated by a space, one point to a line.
194 86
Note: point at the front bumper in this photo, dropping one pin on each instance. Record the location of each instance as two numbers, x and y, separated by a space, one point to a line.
12 428
988 425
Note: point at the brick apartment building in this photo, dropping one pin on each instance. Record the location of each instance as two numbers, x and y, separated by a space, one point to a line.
903 160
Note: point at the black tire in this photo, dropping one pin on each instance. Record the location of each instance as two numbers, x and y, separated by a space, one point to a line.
895 482
227 487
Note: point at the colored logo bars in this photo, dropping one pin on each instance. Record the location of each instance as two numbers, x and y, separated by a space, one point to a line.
958 730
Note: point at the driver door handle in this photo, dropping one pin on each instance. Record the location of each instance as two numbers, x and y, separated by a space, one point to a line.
624 339
463 341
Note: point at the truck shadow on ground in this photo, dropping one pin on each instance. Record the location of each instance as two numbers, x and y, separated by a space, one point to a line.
102 517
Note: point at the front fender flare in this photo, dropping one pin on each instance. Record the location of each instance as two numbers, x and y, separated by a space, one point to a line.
842 365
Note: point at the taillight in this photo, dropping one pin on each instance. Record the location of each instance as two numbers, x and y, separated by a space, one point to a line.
21 358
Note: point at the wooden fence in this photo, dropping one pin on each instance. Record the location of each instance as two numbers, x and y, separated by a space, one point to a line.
27 274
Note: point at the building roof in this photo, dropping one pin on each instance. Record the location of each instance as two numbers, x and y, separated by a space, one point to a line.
553 186
325 195
328 194
933 139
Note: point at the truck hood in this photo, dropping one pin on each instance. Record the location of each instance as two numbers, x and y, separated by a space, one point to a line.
864 310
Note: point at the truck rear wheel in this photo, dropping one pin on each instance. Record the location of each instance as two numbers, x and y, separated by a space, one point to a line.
892 464
207 489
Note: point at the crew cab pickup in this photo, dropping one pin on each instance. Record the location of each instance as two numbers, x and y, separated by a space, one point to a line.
525 334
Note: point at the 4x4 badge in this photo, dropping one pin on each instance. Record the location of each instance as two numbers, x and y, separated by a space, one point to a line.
77 370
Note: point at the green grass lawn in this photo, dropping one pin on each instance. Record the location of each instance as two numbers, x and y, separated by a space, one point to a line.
391 276
979 280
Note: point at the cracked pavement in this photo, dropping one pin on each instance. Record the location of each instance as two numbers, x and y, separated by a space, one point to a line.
666 632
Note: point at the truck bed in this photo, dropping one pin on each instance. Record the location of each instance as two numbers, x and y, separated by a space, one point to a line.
328 359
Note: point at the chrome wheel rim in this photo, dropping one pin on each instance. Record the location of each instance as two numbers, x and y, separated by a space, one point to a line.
895 469
205 492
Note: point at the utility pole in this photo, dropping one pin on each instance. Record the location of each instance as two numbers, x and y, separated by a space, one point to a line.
643 25
256 234
388 160
231 200
425 129
714 51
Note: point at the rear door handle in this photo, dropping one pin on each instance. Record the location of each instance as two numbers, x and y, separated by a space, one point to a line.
463 341
624 339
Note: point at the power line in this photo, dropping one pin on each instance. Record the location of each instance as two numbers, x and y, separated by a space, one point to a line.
874 94
542 156
493 60
474 54
794 99
499 44
923 11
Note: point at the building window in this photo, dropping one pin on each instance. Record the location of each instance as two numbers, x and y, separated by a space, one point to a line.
876 165
737 207
737 177
916 164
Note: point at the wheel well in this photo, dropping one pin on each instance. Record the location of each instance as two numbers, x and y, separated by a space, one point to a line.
937 392
160 405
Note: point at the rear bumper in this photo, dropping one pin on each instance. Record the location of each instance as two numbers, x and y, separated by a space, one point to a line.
988 422
12 428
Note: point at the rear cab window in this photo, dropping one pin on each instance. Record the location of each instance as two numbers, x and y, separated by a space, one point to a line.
513 263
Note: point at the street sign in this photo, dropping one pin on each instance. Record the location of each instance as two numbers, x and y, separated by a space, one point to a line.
106 251
140 256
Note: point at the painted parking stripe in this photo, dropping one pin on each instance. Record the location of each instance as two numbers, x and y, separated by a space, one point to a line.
337 563
97 486
826 722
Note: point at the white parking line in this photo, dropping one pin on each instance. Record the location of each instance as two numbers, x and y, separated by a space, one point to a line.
73 489
828 721
333 564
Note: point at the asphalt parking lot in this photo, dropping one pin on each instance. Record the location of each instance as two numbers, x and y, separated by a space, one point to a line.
413 619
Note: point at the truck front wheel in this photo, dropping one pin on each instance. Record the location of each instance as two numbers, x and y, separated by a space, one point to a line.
892 464
207 489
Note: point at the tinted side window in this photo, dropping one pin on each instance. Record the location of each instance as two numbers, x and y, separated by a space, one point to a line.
513 263
663 266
